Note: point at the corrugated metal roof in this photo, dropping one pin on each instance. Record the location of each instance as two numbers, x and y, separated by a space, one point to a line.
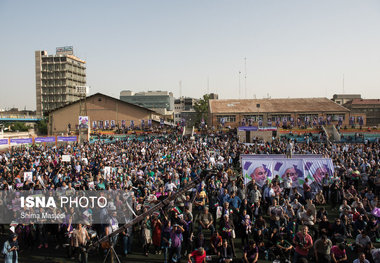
347 96
106 96
365 101
275 105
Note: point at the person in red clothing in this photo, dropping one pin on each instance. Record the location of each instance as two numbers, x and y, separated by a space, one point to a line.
306 190
198 255
157 226
303 242
338 254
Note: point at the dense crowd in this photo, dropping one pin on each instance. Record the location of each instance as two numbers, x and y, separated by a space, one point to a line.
221 217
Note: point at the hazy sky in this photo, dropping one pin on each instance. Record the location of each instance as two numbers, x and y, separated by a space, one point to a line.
294 48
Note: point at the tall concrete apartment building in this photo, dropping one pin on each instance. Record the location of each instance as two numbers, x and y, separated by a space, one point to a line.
60 79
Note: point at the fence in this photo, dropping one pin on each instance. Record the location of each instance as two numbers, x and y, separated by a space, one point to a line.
37 140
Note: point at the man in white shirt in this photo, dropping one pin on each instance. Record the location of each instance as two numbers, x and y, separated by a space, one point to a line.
287 184
363 242
255 195
289 149
170 186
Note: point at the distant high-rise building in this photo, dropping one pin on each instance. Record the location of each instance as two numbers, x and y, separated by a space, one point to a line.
183 104
60 79
213 96
159 101
344 98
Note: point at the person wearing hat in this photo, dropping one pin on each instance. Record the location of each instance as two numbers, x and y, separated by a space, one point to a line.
10 249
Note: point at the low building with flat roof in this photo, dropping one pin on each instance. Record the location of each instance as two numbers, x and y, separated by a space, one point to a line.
344 98
159 101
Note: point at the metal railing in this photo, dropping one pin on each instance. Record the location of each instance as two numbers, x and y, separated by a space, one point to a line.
15 116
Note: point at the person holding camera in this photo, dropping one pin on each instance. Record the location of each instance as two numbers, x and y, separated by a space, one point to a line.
79 241
10 249
303 243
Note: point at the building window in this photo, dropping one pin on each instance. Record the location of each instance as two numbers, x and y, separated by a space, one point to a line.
253 117
280 117
336 117
310 117
227 118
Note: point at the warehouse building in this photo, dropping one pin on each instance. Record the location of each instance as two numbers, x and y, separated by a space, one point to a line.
267 112
104 112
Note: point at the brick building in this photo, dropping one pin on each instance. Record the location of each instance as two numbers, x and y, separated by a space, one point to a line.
100 108
233 112
368 107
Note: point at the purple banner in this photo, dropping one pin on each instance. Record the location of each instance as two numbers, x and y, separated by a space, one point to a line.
248 128
67 139
255 128
279 156
22 140
3 141
44 139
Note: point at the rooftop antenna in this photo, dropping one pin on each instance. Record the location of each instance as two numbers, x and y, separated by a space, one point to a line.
245 76
208 85
343 83
239 85
180 88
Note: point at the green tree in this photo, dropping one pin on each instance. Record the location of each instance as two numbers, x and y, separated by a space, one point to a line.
19 126
201 108
41 127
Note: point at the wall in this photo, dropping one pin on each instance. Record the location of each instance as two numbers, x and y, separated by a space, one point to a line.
99 107
212 119
264 135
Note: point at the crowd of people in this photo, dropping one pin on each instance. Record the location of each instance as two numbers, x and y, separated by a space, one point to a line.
221 219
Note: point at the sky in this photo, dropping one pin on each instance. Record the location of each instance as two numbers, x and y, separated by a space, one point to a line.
282 48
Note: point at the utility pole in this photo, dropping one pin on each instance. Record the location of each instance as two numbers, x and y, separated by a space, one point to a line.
343 83
83 131
245 76
239 84
208 85
180 88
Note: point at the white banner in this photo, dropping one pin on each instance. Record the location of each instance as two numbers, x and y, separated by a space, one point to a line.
66 158
28 176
